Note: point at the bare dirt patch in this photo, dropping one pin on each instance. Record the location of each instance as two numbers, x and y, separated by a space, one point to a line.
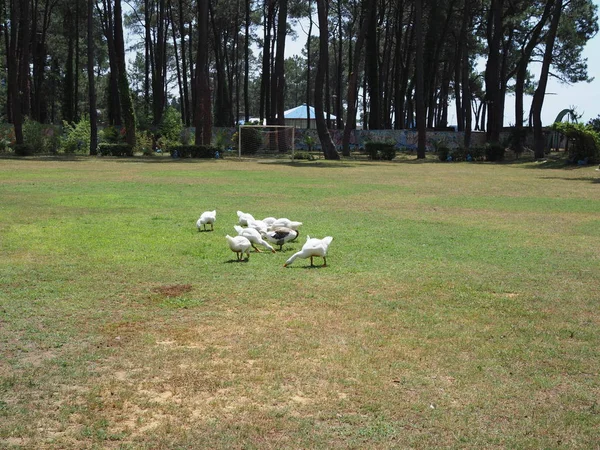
172 291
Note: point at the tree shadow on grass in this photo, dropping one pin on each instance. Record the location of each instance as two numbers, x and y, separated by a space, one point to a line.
585 179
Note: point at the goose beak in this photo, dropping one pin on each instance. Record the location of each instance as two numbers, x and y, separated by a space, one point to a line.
285 265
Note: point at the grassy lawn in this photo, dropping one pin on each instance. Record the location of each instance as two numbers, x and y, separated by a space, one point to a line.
459 308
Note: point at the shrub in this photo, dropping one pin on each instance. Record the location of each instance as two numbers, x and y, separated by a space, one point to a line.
143 143
381 150
76 137
252 140
7 138
476 153
222 140
459 154
170 125
443 151
23 150
494 151
584 142
111 149
305 155
195 151
40 138
112 135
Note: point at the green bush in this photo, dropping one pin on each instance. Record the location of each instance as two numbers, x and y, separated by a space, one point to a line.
111 149
305 155
458 154
443 152
76 137
170 125
143 143
381 150
584 142
195 151
251 141
494 151
477 153
112 135
40 138
23 150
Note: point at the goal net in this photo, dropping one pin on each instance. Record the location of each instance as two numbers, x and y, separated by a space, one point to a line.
265 140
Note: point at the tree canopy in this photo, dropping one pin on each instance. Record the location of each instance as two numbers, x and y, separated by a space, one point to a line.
385 63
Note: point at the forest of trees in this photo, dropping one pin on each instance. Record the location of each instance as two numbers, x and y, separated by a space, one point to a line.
398 63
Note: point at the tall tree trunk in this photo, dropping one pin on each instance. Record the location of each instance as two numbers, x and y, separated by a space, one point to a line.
18 65
540 92
352 95
340 70
124 93
247 62
91 80
223 113
147 56
265 91
308 65
76 62
203 110
466 71
492 71
184 68
372 68
182 104
113 100
327 145
278 85
158 66
68 111
397 100
521 74
419 82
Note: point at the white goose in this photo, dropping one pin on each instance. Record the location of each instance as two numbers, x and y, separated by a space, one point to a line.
207 217
239 245
269 220
311 248
285 222
280 236
254 237
258 225
243 218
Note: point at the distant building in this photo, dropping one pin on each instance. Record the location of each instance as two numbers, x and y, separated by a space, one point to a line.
297 117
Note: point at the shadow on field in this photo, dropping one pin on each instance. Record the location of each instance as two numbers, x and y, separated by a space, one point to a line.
585 179
345 163
43 158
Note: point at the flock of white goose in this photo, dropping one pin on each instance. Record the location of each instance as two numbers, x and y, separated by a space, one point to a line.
252 232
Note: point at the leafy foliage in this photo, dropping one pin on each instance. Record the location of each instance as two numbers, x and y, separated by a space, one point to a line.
494 151
171 125
112 135
595 124
111 149
76 137
584 142
195 151
381 150
40 138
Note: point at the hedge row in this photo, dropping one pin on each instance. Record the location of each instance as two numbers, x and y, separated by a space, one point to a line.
194 151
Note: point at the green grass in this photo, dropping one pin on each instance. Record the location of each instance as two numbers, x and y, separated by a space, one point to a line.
459 307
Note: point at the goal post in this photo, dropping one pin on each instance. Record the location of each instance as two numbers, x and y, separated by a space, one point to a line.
265 140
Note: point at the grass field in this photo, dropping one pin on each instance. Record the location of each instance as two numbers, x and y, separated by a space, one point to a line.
459 308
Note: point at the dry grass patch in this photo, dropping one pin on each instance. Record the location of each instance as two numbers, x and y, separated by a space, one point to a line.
455 311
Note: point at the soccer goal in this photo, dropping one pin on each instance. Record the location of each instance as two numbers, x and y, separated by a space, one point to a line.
265 140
